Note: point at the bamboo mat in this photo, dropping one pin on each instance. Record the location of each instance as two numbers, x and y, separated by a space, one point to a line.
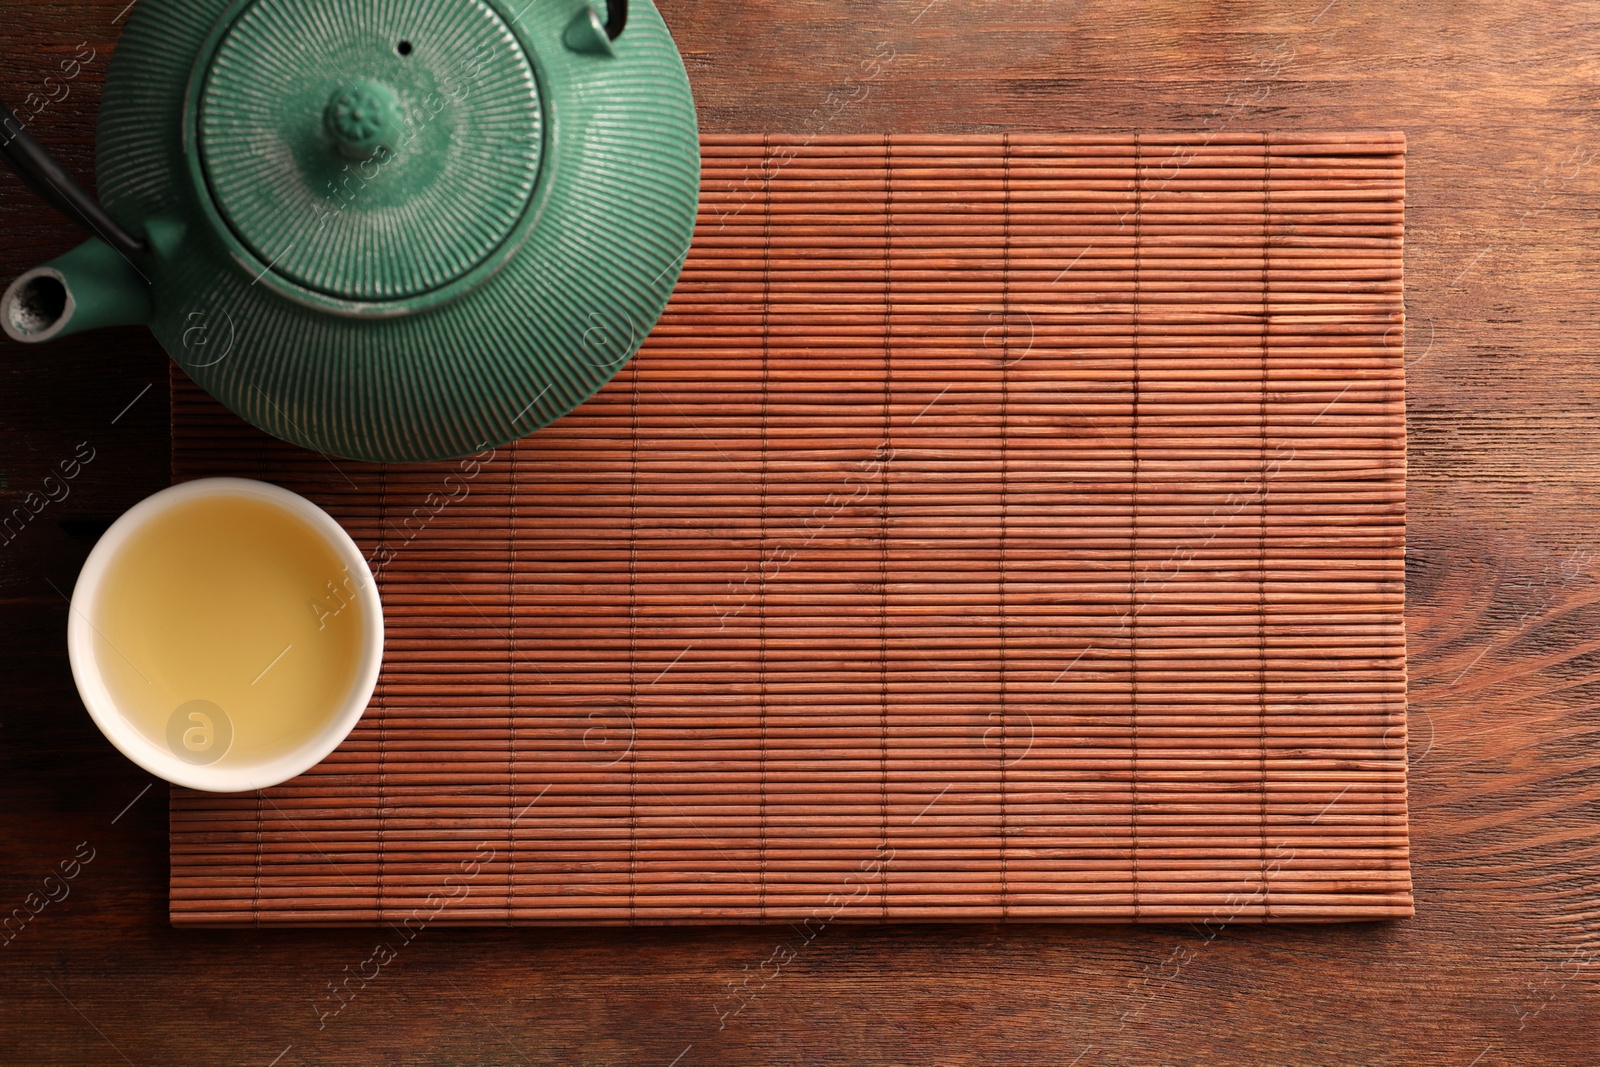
993 528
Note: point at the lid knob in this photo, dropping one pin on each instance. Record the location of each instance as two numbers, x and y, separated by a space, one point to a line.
363 118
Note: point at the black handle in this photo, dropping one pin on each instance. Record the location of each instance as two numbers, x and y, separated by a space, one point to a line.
45 175
616 17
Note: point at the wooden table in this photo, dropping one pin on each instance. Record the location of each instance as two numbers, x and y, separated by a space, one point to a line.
1499 964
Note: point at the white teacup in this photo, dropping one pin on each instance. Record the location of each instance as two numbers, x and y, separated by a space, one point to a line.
187 595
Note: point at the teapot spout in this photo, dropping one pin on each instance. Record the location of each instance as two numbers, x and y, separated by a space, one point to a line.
91 286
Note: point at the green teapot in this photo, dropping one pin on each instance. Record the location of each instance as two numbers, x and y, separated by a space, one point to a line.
388 230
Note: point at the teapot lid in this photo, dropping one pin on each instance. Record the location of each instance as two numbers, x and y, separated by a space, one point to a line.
370 151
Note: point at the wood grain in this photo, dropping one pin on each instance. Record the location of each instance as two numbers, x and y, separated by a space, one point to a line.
1497 103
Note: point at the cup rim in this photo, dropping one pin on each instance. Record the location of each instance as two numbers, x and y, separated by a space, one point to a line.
128 738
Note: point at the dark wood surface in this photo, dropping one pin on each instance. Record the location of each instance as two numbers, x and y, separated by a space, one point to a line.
1497 967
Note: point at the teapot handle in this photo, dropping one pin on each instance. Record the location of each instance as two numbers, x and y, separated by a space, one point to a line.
43 173
616 17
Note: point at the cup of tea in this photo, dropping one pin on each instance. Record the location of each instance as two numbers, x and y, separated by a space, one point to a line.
225 634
